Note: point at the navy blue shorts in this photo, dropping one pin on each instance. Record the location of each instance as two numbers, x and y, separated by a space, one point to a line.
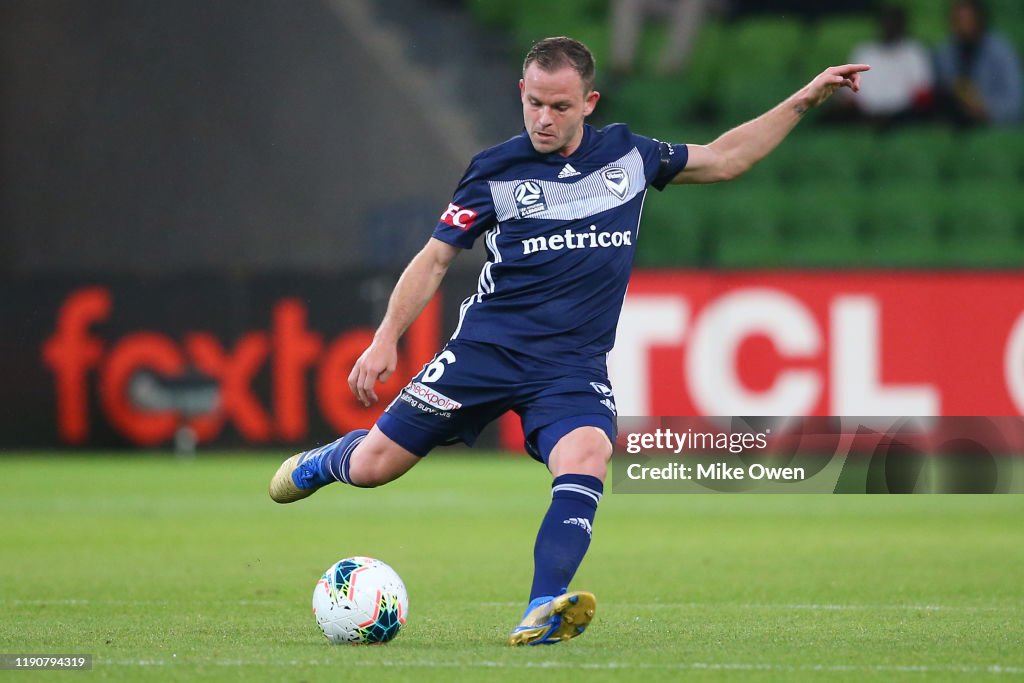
470 384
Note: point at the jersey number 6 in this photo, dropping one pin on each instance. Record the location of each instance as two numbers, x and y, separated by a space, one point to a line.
436 368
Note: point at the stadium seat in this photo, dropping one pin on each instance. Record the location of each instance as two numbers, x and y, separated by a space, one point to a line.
927 19
765 42
494 14
744 96
704 69
585 20
772 45
596 34
812 156
746 228
901 223
833 40
981 227
992 154
649 102
671 229
916 154
820 226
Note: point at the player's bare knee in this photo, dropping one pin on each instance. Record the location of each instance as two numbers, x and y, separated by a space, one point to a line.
378 461
586 450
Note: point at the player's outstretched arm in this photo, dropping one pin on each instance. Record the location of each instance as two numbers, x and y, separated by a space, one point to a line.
736 151
417 285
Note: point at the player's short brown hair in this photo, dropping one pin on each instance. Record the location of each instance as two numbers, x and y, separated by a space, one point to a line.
552 54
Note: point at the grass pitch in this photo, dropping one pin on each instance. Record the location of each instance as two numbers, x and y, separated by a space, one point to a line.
184 570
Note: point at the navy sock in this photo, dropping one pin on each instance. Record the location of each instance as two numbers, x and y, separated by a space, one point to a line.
564 534
334 457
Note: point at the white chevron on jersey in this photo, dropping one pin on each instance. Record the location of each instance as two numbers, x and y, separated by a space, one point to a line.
588 196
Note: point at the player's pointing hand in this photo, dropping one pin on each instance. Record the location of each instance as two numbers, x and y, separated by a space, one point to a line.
832 79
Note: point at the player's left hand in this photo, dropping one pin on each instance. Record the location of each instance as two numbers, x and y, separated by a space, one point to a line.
832 79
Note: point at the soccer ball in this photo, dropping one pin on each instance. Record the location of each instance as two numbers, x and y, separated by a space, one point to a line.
360 600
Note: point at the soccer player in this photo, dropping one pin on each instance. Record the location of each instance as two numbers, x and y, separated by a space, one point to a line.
558 207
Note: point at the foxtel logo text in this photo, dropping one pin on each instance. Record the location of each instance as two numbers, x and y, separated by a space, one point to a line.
87 367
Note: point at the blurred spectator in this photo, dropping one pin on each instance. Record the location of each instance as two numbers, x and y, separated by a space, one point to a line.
979 73
684 20
899 85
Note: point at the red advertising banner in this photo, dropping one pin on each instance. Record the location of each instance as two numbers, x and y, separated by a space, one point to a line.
821 343
264 360
259 361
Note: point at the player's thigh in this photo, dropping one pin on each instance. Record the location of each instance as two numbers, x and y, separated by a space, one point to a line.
584 450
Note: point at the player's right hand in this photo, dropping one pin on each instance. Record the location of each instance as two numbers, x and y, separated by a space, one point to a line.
376 364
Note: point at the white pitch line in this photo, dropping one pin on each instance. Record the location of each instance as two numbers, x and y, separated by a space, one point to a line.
141 603
994 669
823 607
794 606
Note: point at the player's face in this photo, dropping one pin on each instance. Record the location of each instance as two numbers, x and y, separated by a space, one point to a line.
554 106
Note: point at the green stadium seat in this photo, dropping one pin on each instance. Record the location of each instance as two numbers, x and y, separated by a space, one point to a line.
908 155
744 96
746 227
704 69
981 227
649 102
494 14
596 34
991 154
671 232
585 20
841 156
763 42
927 19
832 42
901 225
759 69
821 226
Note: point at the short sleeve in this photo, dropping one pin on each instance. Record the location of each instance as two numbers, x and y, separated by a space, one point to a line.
671 160
470 212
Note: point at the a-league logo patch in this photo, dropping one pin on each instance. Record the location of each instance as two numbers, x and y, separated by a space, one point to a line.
616 180
529 198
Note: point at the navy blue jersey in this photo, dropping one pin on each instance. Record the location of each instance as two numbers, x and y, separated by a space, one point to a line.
560 234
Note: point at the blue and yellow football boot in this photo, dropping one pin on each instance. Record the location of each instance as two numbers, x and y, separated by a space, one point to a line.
551 620
298 477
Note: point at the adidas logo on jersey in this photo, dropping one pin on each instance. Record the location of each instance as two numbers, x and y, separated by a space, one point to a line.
568 172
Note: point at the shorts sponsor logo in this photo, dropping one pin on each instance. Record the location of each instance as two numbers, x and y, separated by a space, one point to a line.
529 198
458 217
610 405
602 389
578 240
431 397
616 180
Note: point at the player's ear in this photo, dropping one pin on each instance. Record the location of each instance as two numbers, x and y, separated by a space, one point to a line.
522 88
590 102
